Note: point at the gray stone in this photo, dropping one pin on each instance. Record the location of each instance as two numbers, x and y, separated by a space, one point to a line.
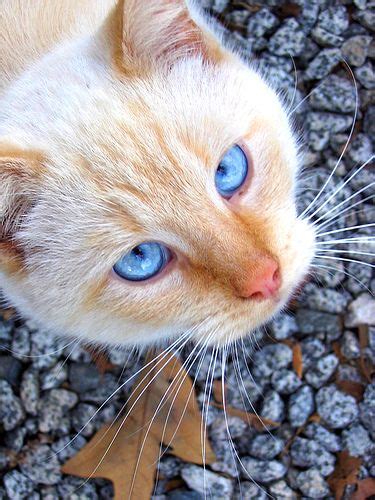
329 440
219 5
361 311
273 407
81 419
301 406
265 446
283 327
366 18
54 377
322 371
72 488
108 384
323 64
366 75
261 23
10 369
315 321
350 347
356 440
334 19
45 349
41 465
312 350
11 409
355 49
17 485
263 471
308 453
334 94
196 477
83 377
312 484
325 299
325 38
21 343
289 39
53 407
360 277
281 490
336 408
247 490
14 439
29 391
360 151
285 381
272 357
367 409
369 121
328 122
183 495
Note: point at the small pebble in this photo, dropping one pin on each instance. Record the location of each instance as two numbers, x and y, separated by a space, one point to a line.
17 485
283 327
40 464
289 39
366 75
281 490
53 407
30 391
263 471
301 406
323 64
350 347
355 49
361 311
367 409
307 453
285 381
356 440
270 358
322 371
265 446
312 484
336 408
327 439
219 486
334 94
11 409
273 407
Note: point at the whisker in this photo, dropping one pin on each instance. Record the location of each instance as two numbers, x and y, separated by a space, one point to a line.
308 208
344 272
167 394
362 226
361 239
37 356
346 260
224 355
363 200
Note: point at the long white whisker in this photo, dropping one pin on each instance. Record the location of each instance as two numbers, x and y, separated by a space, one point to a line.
346 260
307 209
362 226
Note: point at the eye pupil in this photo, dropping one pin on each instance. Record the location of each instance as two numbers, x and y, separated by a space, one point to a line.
142 262
231 172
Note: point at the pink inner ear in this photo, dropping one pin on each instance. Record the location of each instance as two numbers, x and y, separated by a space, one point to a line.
159 31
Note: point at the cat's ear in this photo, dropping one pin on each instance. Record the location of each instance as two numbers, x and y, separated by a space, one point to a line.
20 174
161 31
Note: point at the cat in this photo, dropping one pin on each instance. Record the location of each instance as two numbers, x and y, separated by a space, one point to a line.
147 175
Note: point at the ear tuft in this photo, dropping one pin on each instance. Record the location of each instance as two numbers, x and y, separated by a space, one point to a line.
162 32
20 172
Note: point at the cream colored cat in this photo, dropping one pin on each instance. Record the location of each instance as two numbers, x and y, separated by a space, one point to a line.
147 175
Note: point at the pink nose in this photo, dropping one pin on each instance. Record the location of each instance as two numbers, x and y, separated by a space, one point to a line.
266 282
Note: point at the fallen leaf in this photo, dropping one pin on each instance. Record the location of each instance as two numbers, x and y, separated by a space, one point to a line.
365 489
355 389
127 451
345 473
297 360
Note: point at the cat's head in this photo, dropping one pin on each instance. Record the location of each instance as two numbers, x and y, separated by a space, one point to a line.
148 185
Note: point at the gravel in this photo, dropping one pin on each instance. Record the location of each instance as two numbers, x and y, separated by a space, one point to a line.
335 407
49 392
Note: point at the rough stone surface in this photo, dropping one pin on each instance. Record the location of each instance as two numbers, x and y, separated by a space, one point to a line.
220 487
11 409
264 471
301 406
312 484
335 407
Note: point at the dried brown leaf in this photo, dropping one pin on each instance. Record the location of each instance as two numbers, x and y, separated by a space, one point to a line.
345 473
100 359
297 359
131 446
365 489
355 389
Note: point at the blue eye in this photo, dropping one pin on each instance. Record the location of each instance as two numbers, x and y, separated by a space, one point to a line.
142 262
231 172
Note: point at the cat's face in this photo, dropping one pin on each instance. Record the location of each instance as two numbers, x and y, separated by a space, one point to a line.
132 158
